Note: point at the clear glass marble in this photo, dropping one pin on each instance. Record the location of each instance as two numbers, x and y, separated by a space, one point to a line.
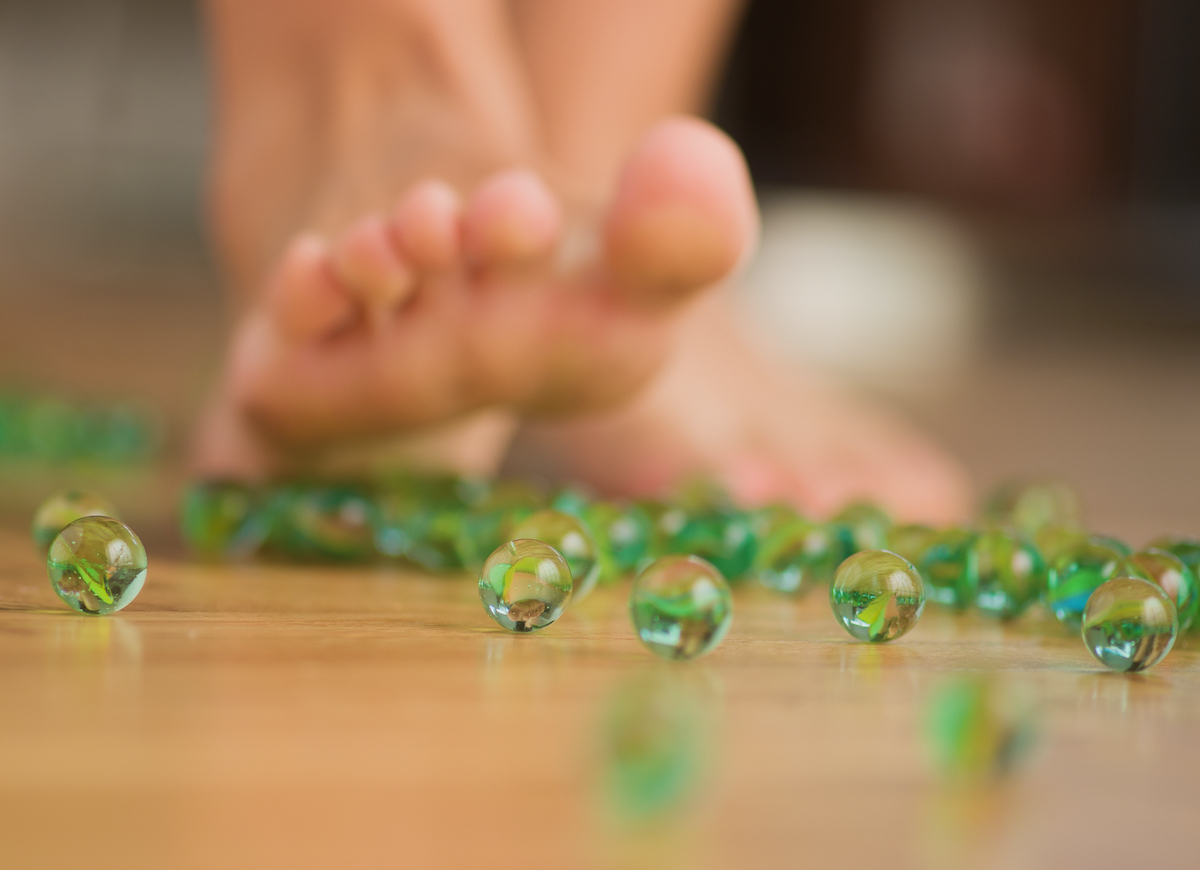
97 565
325 522
1113 543
1030 506
877 596
943 567
797 555
223 519
910 541
1129 624
1169 573
681 607
623 534
525 585
59 511
572 539
1074 576
863 527
492 518
1053 541
722 536
1005 571
1183 546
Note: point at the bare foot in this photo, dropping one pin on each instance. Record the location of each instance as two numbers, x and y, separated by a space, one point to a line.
378 302
434 310
765 433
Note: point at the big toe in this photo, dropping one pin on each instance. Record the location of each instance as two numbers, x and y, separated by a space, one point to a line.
684 214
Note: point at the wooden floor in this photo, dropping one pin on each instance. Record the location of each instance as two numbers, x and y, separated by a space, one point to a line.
294 717
279 716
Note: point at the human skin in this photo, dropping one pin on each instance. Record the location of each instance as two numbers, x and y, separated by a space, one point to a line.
446 221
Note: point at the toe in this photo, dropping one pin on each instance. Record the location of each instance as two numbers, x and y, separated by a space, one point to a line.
303 297
366 261
684 213
427 226
512 218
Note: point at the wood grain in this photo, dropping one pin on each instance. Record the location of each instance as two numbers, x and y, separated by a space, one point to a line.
283 716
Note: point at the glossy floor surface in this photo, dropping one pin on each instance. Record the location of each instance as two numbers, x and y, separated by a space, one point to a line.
281 716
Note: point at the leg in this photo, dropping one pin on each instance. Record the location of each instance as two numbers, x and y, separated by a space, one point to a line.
715 406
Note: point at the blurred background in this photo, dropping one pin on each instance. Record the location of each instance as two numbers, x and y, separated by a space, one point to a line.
985 212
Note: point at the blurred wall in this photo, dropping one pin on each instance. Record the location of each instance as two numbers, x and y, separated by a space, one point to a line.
103 128
1024 108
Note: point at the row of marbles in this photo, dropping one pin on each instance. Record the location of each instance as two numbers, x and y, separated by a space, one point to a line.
1029 546
55 430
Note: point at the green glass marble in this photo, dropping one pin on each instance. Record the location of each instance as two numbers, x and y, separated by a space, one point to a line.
1006 572
418 518
425 535
702 493
525 585
573 500
681 607
863 527
490 522
796 556
599 518
59 511
393 538
1053 541
1183 546
910 541
668 520
724 537
324 522
1115 544
1129 624
509 494
765 523
50 429
767 520
978 729
1074 576
623 533
943 567
223 519
1169 573
573 540
479 532
877 596
1030 506
665 520
97 565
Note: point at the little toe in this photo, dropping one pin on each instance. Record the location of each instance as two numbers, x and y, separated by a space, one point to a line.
365 260
511 219
427 226
303 297
684 214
